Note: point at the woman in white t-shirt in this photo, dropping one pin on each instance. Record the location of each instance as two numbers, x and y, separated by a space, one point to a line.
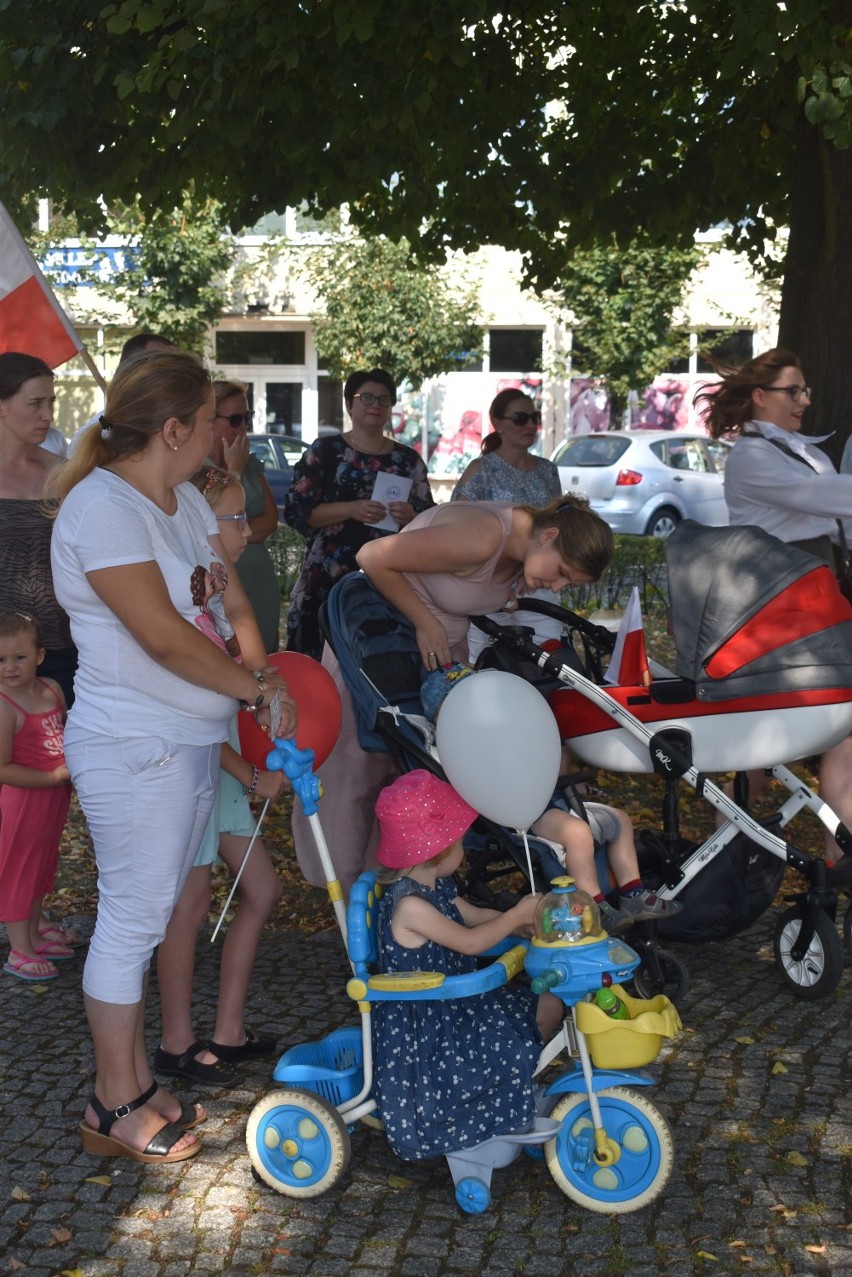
153 700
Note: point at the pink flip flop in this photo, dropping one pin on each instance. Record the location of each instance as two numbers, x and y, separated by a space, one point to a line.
31 969
55 950
53 933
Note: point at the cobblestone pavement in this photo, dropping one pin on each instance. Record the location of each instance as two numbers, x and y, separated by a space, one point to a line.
756 1090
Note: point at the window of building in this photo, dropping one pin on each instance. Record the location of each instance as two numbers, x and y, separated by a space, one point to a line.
260 346
727 346
515 349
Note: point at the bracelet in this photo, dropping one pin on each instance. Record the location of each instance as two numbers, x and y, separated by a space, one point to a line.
255 706
255 777
261 678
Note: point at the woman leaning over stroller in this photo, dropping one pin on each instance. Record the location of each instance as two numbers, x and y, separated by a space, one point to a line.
463 559
778 481
154 699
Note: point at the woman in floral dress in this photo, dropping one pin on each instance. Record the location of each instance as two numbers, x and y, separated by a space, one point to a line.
331 500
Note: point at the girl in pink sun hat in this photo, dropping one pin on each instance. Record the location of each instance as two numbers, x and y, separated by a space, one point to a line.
448 1075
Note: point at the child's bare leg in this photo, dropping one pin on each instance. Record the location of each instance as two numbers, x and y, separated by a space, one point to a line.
576 838
621 852
259 892
176 964
549 1014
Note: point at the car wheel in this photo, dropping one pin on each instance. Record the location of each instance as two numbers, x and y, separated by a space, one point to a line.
663 523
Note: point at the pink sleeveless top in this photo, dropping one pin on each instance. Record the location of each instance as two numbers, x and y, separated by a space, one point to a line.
453 598
38 744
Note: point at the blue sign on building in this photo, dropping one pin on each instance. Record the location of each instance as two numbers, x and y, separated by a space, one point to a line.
87 267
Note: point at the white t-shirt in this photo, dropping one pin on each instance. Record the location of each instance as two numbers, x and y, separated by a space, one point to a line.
119 690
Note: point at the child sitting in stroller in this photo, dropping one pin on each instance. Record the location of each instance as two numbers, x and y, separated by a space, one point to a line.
448 1075
591 843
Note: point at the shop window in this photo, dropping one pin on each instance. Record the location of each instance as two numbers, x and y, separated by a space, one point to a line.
254 346
727 346
330 402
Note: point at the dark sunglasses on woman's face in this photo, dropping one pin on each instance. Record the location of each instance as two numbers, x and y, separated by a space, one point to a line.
521 418
236 419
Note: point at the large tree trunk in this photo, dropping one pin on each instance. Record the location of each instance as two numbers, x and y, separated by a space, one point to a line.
816 299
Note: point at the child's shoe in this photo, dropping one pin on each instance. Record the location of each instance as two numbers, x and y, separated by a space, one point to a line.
645 904
613 920
35 970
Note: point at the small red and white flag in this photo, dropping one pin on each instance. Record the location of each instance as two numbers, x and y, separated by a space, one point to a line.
31 319
629 664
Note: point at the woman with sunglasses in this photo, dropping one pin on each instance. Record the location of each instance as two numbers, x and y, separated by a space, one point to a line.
508 471
331 501
777 481
230 449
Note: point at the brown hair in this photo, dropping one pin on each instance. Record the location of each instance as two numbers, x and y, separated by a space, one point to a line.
224 389
729 404
499 404
585 540
146 390
20 623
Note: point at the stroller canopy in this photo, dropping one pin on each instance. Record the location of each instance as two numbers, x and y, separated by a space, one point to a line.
753 615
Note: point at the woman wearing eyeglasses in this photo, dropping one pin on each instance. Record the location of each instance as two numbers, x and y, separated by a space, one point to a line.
509 471
778 481
332 504
230 449
775 479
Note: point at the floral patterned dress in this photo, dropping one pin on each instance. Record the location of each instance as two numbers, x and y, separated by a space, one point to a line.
332 470
449 1075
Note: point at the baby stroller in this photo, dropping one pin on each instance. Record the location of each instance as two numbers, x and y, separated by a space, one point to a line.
606 1146
764 675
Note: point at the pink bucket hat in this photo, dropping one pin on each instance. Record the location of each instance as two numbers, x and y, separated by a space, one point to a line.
419 817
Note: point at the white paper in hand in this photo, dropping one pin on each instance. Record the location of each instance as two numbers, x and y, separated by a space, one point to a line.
387 488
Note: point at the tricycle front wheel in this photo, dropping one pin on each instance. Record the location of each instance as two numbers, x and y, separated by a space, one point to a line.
298 1143
639 1137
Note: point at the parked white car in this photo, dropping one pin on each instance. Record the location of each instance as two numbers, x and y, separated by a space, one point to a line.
645 481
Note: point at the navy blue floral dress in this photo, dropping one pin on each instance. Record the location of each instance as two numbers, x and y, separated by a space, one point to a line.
449 1075
332 470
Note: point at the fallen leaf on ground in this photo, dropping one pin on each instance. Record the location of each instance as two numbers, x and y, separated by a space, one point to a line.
20 1194
796 1159
61 1234
705 1254
99 1179
778 1067
816 1250
745 1041
398 1181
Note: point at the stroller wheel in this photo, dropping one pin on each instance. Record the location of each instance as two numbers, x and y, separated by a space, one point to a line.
298 1143
817 973
640 1145
661 972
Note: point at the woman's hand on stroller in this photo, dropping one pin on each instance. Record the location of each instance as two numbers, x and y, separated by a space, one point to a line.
433 644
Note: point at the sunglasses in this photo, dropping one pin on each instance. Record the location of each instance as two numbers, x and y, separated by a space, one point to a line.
236 419
521 418
241 518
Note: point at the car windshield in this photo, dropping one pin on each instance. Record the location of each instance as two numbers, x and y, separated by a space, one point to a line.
592 450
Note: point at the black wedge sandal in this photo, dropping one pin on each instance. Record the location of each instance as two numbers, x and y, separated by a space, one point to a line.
159 1150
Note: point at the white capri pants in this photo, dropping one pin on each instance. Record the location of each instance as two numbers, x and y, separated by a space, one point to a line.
147 802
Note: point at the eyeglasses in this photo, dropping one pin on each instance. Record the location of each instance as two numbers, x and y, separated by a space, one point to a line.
521 418
241 518
236 419
795 392
384 401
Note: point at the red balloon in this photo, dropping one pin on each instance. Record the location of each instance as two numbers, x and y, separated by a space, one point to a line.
317 700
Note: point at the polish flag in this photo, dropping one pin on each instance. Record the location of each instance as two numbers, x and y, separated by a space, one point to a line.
629 664
31 319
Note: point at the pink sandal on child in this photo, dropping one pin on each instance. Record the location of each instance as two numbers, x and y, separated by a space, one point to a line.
31 969
54 949
53 933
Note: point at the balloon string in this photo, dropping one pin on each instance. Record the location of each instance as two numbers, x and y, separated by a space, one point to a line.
240 870
523 834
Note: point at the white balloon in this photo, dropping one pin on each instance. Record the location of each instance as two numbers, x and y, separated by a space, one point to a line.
499 745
